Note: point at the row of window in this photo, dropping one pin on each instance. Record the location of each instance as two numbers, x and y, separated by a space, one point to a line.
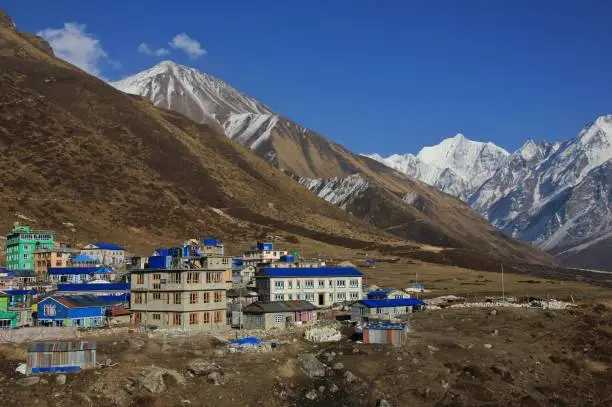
34 236
176 318
309 284
193 277
45 263
177 298
311 297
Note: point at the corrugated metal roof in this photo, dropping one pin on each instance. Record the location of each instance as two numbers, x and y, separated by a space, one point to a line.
85 301
83 258
385 325
108 246
240 292
310 272
263 307
392 302
380 292
63 346
18 292
58 271
94 287
21 273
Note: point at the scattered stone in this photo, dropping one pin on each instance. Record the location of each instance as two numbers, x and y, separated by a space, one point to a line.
60 379
349 377
383 403
323 334
355 350
311 365
215 378
399 369
415 361
219 352
136 343
494 312
311 395
338 366
399 358
201 367
44 381
29 381
432 348
108 362
444 383
470 346
488 345
495 332
321 389
333 388
153 380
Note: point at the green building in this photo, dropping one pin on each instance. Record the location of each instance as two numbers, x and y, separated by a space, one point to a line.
21 244
15 308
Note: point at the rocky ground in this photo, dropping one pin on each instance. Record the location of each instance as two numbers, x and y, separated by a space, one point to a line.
462 357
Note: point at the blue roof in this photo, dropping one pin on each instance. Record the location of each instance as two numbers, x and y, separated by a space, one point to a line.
58 271
310 272
21 273
83 258
94 287
18 292
108 246
380 292
394 302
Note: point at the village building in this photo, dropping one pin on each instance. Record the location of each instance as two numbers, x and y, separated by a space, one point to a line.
384 332
81 311
120 315
45 258
187 298
15 308
17 279
263 253
211 247
322 286
60 357
365 310
385 294
97 288
107 254
278 314
78 275
83 260
237 299
242 275
223 264
22 242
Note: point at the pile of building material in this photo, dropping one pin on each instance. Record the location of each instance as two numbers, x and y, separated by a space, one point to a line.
323 334
249 344
443 301
548 304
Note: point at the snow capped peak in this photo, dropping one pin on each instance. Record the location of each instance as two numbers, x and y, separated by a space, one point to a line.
529 150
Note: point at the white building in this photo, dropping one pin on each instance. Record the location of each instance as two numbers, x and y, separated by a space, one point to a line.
322 286
262 253
107 254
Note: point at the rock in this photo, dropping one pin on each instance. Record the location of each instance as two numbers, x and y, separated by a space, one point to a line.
495 332
432 348
338 366
311 365
399 358
383 403
60 379
333 388
136 343
349 377
215 378
153 380
201 367
311 395
219 352
415 361
444 383
44 381
488 346
28 381
494 312
108 362
321 389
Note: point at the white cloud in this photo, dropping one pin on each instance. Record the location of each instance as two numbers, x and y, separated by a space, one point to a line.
187 44
76 46
144 48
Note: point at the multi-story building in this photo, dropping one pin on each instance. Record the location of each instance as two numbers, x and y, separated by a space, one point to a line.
21 244
79 275
179 298
107 254
15 308
322 286
219 263
262 253
211 246
45 258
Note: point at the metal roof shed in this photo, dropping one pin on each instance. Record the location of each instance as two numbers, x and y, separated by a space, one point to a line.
60 357
385 333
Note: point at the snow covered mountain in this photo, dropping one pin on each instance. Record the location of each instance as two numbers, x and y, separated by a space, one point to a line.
555 195
457 166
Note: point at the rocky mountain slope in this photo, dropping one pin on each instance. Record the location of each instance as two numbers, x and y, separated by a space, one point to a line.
363 187
554 195
79 153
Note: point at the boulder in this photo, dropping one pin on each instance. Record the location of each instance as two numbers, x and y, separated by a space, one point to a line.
383 403
202 367
349 377
60 379
136 343
311 395
333 388
215 378
29 381
488 346
338 366
311 365
432 348
153 380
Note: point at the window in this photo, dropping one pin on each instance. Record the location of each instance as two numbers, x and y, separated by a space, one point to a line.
176 319
206 298
193 298
308 283
193 278
279 318
218 316
193 318
218 296
156 276
354 296
341 297
157 296
137 317
279 285
298 284
341 283
321 283
279 297
354 283
206 319
26 247
217 277
26 256
331 283
309 297
157 286
140 279
177 298
58 263
290 284
137 298
156 317
175 278
290 297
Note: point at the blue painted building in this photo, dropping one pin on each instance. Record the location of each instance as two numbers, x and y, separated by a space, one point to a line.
384 294
383 308
83 311
77 275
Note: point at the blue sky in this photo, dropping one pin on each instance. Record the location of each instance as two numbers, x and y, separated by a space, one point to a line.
377 76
